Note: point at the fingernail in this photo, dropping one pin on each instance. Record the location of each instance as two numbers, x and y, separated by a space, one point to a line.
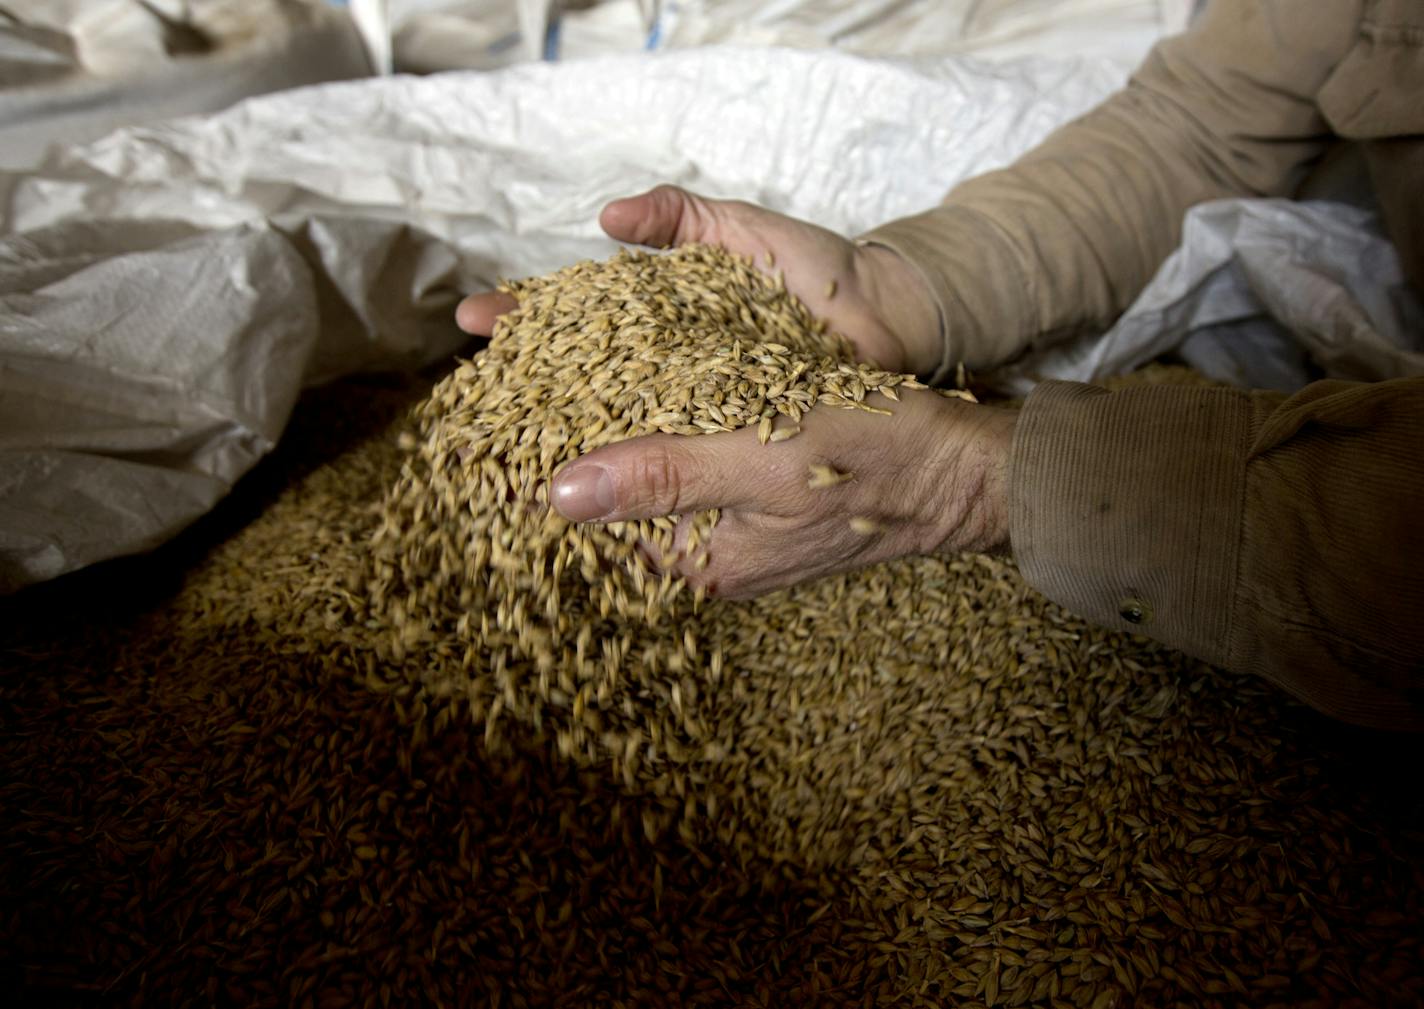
584 493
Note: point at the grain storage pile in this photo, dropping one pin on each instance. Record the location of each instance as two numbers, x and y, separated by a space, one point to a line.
494 600
235 777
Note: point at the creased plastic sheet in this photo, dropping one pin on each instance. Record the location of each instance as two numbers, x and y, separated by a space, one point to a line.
145 365
446 34
1266 294
168 289
119 37
74 70
127 397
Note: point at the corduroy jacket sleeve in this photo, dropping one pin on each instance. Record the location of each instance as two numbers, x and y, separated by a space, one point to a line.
1063 240
1270 534
1266 534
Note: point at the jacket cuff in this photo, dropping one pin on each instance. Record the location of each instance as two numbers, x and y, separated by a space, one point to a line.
1126 507
983 322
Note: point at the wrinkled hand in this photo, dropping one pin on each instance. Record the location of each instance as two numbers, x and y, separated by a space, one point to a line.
930 478
879 302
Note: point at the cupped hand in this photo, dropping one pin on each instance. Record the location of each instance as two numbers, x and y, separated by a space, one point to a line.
929 478
865 292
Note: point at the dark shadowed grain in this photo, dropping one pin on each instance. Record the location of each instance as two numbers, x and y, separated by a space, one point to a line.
234 777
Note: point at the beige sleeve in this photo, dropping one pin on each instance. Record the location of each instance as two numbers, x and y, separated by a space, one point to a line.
1062 241
1280 536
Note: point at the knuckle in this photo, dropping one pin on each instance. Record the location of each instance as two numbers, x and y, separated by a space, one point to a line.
657 480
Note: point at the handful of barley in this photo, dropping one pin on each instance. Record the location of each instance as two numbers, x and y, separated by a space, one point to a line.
555 617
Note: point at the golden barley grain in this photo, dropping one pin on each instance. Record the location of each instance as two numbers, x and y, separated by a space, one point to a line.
581 784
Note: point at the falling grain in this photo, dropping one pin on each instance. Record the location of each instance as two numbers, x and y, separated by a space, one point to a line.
407 738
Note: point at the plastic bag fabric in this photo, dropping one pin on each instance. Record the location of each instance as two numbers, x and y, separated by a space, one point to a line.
449 34
127 404
112 38
74 70
1262 294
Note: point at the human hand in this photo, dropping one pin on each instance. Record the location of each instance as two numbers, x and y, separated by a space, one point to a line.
932 477
866 293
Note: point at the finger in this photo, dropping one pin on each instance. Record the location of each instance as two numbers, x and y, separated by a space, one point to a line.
656 561
658 475
476 314
660 217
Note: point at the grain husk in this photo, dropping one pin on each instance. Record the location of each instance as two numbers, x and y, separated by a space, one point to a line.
234 777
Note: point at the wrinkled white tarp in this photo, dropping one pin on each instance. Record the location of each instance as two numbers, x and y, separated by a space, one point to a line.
165 291
1262 294
447 34
114 38
142 368
74 70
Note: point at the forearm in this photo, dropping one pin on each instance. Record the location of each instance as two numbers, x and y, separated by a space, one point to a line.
1063 240
1269 535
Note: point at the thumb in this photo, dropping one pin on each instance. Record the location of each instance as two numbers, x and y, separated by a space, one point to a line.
660 217
476 313
655 475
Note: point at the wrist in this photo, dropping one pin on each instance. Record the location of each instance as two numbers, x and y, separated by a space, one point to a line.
905 304
974 504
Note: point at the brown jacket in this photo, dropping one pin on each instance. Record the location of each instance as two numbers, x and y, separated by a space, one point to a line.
1271 534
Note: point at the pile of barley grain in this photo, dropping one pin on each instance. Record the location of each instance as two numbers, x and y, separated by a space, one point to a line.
569 628
205 804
